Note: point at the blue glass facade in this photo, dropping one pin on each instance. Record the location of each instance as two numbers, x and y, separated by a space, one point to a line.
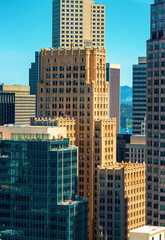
35 74
139 97
56 24
38 184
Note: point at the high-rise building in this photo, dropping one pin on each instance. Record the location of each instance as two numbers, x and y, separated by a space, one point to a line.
139 95
148 233
122 140
113 77
155 117
120 200
38 184
34 73
23 103
73 83
78 22
81 22
143 127
7 108
136 149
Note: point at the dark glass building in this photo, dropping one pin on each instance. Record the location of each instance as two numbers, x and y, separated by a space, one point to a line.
155 119
38 184
7 108
122 140
34 73
139 96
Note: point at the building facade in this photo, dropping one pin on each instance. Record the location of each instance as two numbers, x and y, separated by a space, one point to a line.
35 73
139 95
148 233
143 127
113 77
122 140
73 83
7 108
79 22
121 200
136 149
38 185
155 119
24 103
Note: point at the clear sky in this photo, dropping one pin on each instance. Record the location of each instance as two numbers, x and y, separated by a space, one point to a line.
26 26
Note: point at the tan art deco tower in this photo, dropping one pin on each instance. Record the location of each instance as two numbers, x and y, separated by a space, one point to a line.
78 21
73 83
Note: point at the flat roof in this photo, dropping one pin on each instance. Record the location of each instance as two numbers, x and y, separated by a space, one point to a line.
148 230
115 65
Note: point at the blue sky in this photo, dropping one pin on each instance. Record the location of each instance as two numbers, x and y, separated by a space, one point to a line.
26 26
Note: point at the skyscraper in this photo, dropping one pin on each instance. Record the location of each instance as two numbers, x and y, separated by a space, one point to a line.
155 118
35 73
73 83
81 22
139 95
122 140
74 21
38 184
113 77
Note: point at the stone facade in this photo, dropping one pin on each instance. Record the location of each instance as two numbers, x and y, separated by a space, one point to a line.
121 200
73 83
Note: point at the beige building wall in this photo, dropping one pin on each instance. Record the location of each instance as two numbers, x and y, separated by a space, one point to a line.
80 22
121 199
98 25
73 83
25 104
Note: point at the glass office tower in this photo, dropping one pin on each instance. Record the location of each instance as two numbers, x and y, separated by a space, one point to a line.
155 118
34 73
139 96
38 184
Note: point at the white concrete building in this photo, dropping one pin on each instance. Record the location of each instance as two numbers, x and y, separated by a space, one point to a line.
31 132
148 233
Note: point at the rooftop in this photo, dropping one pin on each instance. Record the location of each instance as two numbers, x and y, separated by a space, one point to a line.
121 165
148 230
26 132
